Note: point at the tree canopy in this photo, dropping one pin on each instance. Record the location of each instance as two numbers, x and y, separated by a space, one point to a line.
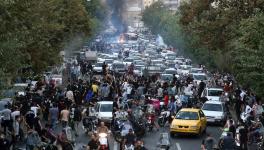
33 32
225 35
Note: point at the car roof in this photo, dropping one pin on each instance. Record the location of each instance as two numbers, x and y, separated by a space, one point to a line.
217 89
105 102
171 69
190 109
164 74
199 74
213 102
21 84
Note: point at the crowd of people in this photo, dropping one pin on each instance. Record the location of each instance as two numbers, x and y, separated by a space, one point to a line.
33 118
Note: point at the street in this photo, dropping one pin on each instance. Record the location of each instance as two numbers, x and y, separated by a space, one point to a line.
130 74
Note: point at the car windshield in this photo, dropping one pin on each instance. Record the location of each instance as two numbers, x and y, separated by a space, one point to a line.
170 71
109 61
106 108
187 115
212 107
129 60
197 71
171 65
171 57
215 92
119 66
98 64
166 77
199 77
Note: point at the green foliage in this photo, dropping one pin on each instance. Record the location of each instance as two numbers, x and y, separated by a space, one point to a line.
33 32
224 35
248 52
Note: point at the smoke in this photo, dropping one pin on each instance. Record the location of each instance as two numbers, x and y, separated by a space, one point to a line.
116 7
72 45
159 41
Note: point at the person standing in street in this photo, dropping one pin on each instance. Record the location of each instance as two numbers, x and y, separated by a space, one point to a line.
6 120
64 116
53 115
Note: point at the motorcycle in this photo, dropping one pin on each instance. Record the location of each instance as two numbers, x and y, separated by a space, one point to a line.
89 123
164 142
150 122
139 127
163 118
103 141
117 128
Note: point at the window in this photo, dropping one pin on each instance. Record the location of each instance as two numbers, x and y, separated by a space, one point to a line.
106 108
213 107
186 115
215 92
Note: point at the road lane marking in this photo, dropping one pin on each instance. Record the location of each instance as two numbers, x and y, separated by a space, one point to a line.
178 146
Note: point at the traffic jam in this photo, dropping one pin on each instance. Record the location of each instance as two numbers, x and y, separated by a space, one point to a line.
117 91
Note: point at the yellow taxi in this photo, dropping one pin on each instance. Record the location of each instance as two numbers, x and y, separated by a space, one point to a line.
188 121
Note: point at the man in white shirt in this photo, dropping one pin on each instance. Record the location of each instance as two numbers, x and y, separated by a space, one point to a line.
15 113
35 109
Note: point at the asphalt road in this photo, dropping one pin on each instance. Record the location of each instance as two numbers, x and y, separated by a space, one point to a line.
182 142
151 139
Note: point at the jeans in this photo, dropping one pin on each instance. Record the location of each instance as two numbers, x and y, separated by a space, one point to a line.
53 123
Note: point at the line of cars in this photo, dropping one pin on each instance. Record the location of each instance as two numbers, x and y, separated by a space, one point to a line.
195 120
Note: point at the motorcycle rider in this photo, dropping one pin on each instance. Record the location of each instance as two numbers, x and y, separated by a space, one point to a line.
242 137
102 128
130 138
228 142
166 113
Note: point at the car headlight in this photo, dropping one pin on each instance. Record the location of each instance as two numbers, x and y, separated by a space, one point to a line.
193 127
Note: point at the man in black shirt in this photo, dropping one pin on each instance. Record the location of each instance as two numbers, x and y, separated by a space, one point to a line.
93 144
30 119
130 138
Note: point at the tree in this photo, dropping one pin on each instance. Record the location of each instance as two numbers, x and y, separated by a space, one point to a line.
34 32
248 56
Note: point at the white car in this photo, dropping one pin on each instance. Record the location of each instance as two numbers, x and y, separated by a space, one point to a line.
109 62
103 111
184 69
212 94
198 77
196 70
128 61
171 71
98 67
57 78
215 112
